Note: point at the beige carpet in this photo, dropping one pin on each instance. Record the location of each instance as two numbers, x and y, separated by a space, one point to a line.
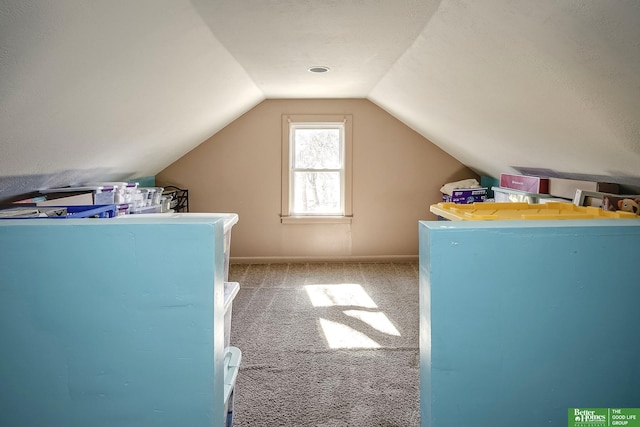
327 344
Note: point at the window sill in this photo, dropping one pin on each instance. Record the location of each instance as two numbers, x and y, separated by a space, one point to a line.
308 219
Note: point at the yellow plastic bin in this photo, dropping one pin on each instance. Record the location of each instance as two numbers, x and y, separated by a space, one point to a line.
513 211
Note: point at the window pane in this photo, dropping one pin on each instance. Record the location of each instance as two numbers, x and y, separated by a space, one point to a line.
316 193
317 149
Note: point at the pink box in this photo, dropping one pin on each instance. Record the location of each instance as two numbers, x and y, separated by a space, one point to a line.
526 183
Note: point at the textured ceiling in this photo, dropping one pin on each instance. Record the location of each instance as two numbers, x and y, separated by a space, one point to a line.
122 88
110 89
546 84
277 41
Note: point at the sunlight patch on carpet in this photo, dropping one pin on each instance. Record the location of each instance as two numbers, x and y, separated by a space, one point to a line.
343 336
376 319
350 294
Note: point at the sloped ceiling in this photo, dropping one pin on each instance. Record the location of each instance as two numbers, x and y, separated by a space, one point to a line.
122 88
537 84
107 90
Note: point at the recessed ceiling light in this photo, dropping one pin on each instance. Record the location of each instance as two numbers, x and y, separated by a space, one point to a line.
319 69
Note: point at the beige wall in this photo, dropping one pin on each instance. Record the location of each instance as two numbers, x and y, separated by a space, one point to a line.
397 174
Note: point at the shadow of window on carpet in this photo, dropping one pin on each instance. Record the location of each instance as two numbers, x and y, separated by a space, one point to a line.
351 303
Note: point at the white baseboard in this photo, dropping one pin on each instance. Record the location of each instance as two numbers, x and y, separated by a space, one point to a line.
305 259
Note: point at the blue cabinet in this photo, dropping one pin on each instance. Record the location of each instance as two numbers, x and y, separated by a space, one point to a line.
112 322
520 321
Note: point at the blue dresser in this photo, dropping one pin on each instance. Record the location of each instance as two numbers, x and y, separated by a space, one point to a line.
522 320
112 322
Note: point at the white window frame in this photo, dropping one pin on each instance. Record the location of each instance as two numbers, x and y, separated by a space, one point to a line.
290 122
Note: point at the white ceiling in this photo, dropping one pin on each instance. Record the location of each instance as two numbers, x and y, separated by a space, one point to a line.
122 88
277 41
539 84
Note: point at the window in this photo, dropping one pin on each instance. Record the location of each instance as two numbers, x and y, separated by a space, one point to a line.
317 159
316 169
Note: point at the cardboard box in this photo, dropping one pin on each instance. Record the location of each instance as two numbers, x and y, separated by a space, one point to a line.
566 188
67 199
60 199
526 183
87 195
466 195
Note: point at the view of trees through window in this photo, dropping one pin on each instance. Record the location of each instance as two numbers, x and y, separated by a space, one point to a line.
317 163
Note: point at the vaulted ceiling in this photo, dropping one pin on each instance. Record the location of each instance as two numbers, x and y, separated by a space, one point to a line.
122 88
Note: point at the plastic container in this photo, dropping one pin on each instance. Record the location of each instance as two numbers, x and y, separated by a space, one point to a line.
124 209
128 191
80 211
145 210
165 204
230 291
233 354
518 211
501 194
150 192
139 198
154 195
32 212
232 360
124 192
229 222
